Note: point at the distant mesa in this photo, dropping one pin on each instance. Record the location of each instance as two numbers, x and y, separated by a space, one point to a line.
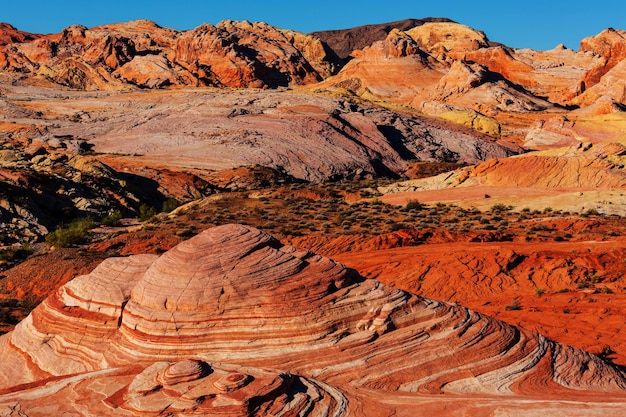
201 328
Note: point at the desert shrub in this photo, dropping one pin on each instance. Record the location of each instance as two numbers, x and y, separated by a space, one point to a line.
413 205
186 232
18 252
113 219
595 278
540 291
169 205
146 212
394 227
75 233
591 212
497 208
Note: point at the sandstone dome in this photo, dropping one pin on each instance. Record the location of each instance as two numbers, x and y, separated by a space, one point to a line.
233 322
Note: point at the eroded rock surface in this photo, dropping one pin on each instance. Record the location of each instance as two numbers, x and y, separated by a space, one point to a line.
142 54
195 328
309 136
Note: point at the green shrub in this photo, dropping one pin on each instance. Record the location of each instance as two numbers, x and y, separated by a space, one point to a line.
75 233
413 205
169 205
113 219
591 212
19 252
146 212
497 208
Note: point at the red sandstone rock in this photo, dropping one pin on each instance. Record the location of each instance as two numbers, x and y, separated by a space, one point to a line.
611 85
139 333
234 54
448 41
9 34
610 44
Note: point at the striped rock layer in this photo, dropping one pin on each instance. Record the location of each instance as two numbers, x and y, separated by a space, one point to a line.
232 322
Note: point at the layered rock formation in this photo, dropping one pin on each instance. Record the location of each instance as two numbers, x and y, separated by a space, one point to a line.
309 136
440 67
145 334
9 34
433 65
233 54
46 180
576 178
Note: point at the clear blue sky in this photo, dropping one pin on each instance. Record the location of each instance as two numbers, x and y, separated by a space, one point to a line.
527 23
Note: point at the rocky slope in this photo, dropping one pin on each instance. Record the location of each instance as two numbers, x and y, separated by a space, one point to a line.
66 154
142 54
9 34
48 179
441 66
576 178
189 330
311 137
345 41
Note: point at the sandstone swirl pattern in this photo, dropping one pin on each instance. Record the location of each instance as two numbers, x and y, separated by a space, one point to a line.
232 322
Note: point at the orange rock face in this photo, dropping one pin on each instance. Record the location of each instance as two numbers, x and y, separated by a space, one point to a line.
233 54
610 45
9 34
439 67
144 332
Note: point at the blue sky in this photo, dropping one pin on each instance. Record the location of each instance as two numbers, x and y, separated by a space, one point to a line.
530 23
